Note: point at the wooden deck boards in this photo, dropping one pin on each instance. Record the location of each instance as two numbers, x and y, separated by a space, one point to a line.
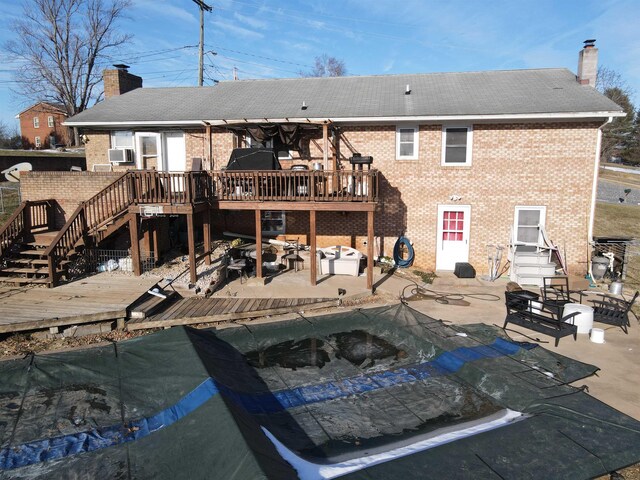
210 310
97 298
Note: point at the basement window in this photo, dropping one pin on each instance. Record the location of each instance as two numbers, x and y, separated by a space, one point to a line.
456 145
407 143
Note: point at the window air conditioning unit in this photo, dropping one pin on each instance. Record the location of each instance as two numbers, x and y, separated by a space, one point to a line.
120 155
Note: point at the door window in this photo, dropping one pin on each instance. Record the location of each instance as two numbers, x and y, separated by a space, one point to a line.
528 221
453 226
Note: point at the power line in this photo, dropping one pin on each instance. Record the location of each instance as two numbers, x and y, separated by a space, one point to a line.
259 56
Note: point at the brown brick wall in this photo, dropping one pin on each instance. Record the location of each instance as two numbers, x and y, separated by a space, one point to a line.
68 188
117 82
42 112
513 165
96 148
527 164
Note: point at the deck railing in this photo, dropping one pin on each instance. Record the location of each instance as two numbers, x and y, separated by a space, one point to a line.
174 188
296 186
29 216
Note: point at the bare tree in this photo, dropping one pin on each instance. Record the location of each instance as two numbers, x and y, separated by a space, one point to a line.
326 66
63 45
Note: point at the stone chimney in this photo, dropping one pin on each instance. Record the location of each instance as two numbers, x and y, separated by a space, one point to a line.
588 63
119 81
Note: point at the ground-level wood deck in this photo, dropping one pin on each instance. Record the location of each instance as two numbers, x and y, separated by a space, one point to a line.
189 311
97 298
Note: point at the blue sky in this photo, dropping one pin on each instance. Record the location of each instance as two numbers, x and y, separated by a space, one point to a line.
269 38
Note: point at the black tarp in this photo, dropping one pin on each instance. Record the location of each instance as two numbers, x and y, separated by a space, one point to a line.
253 159
191 404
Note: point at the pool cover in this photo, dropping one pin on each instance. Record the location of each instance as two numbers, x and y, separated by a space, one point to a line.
356 394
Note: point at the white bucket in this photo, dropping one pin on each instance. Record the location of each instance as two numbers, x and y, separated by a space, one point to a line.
597 335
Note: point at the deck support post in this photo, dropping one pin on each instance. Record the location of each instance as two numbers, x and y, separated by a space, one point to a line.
313 248
258 244
370 251
206 235
325 146
135 244
193 277
156 245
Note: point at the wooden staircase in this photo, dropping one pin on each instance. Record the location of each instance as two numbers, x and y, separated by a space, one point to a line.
27 262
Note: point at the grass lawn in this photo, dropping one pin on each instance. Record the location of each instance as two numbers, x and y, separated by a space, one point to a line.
9 201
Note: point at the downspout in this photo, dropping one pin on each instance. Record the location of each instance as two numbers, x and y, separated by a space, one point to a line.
594 192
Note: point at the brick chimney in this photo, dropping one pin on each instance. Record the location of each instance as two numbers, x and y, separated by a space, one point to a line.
588 63
119 81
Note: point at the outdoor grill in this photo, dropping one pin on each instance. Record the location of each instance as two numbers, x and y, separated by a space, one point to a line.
358 159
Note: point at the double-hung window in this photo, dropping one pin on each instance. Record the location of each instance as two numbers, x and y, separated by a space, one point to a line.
122 139
407 143
50 121
456 145
36 122
38 142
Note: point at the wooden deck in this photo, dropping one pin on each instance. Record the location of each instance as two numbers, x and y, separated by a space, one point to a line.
97 298
189 311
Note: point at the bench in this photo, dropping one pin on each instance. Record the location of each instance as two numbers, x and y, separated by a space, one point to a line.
540 317
613 311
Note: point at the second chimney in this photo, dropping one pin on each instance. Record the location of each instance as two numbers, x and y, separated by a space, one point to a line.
119 81
588 63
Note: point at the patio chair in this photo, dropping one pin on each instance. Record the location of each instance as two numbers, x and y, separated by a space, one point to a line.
292 257
556 294
238 265
613 311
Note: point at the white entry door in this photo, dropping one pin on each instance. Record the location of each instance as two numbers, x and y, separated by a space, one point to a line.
453 235
148 150
175 158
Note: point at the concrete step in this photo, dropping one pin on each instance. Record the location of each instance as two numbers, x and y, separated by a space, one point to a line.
531 258
546 270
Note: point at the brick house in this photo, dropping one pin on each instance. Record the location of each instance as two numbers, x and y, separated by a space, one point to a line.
464 160
41 126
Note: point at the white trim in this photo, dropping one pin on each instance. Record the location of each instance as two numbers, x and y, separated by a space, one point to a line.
36 122
50 121
543 221
594 187
386 120
469 151
416 142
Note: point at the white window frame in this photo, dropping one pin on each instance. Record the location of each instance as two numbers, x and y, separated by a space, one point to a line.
36 122
469 155
516 217
37 142
50 122
113 140
416 142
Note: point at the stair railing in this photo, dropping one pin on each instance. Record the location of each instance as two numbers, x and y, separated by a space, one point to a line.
108 203
28 215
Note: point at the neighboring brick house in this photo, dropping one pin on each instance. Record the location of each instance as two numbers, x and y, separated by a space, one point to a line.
41 126
466 160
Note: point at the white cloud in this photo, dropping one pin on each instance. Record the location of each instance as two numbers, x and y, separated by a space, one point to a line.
252 22
236 30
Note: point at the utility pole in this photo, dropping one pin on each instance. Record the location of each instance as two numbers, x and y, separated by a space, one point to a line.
203 6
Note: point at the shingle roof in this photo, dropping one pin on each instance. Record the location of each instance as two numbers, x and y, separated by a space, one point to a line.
509 92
